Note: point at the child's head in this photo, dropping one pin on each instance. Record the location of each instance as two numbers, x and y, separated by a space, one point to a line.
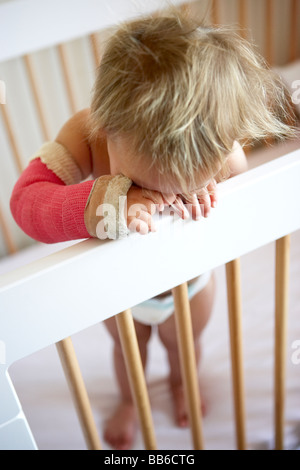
181 94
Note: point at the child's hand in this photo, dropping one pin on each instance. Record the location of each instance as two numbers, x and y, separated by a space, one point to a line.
141 205
207 197
201 201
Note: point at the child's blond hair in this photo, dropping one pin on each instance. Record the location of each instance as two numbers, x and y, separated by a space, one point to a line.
183 93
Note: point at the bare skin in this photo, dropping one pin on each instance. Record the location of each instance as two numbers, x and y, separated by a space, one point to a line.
121 428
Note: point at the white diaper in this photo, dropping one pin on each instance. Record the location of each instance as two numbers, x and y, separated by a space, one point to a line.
158 310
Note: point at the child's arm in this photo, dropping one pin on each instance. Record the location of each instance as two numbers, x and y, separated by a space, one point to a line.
50 199
74 137
52 204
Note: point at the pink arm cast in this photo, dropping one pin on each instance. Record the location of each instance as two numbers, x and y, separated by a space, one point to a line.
46 209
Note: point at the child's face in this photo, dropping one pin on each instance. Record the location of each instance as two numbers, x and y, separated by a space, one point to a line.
123 160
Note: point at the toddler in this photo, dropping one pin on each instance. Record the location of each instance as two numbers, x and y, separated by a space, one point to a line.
172 105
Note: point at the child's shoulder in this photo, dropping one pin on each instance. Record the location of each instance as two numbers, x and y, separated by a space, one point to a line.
74 136
77 126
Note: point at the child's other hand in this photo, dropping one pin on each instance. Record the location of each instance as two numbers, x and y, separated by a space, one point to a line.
207 197
203 200
143 203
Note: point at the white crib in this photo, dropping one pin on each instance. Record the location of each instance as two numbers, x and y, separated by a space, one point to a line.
37 309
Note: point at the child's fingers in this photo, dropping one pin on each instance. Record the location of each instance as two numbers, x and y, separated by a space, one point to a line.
196 208
137 225
212 189
205 202
142 222
177 204
180 206
193 206
214 199
156 198
147 218
169 199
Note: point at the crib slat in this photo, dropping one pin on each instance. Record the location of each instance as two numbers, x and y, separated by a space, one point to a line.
67 77
215 12
243 17
293 29
12 139
235 327
79 394
37 96
8 239
136 375
281 316
269 31
95 49
7 235
188 362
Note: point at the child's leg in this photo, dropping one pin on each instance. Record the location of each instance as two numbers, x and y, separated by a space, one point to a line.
201 307
121 427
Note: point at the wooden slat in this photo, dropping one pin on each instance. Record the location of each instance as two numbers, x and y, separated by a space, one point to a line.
5 229
233 278
188 364
295 13
61 48
136 376
12 138
96 50
7 235
37 96
269 37
78 391
215 12
243 17
281 316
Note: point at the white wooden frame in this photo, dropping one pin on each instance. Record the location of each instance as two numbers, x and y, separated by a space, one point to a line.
37 309
30 25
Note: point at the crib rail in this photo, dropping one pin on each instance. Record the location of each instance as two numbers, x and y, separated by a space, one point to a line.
251 213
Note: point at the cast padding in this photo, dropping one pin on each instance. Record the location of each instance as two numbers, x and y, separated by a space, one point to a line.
58 159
